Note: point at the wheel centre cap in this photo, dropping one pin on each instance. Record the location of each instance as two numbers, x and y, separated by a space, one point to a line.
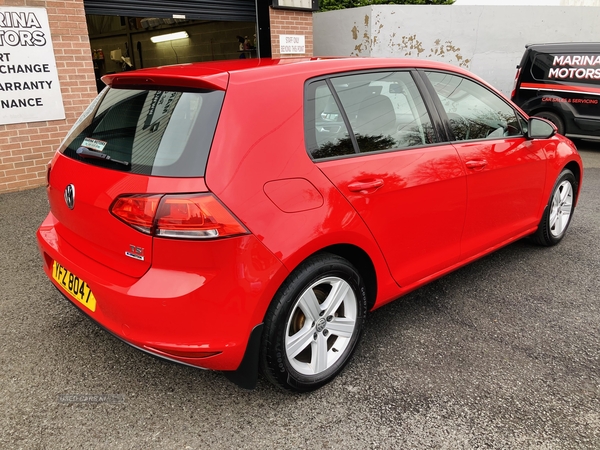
321 323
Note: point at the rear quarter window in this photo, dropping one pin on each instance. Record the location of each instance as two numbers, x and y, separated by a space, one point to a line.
161 133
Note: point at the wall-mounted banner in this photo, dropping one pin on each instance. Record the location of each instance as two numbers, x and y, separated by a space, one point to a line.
292 44
29 87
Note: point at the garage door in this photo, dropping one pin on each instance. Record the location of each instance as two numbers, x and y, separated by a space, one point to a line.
222 10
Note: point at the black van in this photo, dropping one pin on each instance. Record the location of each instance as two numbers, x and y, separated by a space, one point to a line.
561 83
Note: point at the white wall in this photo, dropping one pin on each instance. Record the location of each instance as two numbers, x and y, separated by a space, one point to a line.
529 2
487 40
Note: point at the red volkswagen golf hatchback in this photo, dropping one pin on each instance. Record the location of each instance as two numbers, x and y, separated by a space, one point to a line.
246 215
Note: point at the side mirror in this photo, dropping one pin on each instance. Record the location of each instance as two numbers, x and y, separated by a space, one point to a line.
539 128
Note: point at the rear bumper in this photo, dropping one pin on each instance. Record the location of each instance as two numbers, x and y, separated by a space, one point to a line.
197 304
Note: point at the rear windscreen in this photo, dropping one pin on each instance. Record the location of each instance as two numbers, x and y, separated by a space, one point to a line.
161 133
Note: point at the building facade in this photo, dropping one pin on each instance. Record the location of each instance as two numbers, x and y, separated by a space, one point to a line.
53 54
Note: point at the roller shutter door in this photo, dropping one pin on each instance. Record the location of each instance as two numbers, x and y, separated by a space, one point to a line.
222 10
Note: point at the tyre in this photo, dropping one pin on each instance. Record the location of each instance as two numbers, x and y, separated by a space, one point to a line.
559 211
554 118
313 324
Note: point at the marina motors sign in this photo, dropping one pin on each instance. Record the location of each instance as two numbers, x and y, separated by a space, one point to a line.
587 67
29 87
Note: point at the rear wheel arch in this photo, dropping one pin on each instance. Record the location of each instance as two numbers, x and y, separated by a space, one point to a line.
356 256
363 263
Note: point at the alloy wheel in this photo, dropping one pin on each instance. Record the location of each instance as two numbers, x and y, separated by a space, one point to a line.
321 325
562 206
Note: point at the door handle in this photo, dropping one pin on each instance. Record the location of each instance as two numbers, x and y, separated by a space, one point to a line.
365 186
476 164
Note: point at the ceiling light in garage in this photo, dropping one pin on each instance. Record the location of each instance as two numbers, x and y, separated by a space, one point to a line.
169 37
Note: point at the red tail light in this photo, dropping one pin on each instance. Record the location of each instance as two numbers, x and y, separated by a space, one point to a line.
195 216
137 211
514 89
188 216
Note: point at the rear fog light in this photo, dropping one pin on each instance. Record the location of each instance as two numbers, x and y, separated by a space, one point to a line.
513 93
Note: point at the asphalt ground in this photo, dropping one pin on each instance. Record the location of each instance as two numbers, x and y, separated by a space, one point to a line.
502 354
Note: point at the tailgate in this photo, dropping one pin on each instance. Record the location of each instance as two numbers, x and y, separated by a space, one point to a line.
89 226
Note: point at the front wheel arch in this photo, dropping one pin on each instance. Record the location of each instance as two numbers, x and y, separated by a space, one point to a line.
576 169
559 210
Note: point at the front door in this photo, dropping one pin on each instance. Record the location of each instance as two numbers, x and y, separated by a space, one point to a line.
504 181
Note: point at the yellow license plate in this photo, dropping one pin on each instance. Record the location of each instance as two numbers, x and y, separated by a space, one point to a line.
74 285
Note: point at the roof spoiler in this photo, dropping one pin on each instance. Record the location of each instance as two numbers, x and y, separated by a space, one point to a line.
217 81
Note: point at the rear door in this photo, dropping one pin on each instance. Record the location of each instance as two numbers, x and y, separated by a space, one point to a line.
372 136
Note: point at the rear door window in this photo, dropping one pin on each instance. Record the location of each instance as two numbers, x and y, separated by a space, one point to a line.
363 113
161 133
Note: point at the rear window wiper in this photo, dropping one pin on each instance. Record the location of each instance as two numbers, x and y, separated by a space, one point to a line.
87 153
